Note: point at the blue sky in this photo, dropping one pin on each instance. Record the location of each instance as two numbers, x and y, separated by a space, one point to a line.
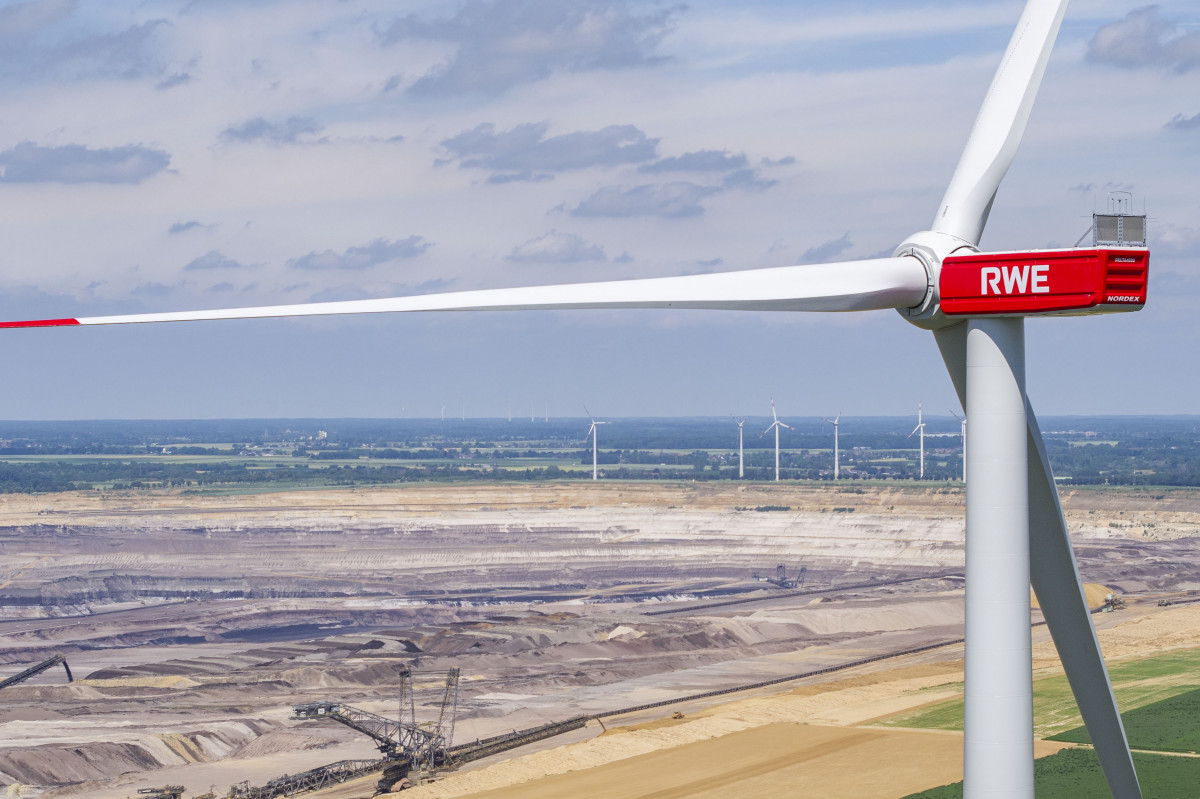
212 153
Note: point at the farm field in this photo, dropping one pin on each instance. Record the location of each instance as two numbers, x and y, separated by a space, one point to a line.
1076 773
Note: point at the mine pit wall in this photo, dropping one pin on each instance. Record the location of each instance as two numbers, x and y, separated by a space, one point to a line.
59 764
468 560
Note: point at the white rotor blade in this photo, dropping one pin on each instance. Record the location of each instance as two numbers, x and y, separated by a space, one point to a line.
1000 124
848 286
1054 575
1059 588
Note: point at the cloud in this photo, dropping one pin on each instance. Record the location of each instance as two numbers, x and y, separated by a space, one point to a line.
365 257
40 40
826 252
519 177
670 200
259 129
213 259
155 289
220 287
1180 122
698 161
178 79
748 180
1143 39
23 20
191 224
525 153
555 247
74 163
504 43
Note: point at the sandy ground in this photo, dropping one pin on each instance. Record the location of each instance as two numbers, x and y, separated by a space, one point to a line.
816 736
539 594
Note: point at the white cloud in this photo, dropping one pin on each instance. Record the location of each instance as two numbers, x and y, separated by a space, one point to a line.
669 200
288 131
1144 39
500 44
824 253
378 252
525 152
74 163
555 247
213 259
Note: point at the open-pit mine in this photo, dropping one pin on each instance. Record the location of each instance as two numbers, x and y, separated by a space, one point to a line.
195 625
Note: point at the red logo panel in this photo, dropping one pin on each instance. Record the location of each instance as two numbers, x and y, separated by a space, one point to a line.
1080 281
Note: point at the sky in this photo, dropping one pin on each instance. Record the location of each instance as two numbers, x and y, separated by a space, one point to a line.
160 156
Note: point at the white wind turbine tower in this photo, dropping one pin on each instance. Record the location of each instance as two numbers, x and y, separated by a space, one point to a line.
834 422
775 425
920 428
975 304
963 423
594 434
741 457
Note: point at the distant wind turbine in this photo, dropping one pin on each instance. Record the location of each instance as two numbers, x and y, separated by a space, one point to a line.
834 422
741 457
963 421
776 425
594 435
920 428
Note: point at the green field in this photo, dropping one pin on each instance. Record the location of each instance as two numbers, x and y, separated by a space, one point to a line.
1137 683
1172 725
1160 695
1075 773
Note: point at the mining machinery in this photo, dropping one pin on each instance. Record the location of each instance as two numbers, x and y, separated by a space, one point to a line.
162 792
781 578
404 743
1112 602
38 669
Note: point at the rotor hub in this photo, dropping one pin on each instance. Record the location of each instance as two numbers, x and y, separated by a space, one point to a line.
930 248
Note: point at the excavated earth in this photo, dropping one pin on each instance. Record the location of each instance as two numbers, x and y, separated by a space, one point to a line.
194 624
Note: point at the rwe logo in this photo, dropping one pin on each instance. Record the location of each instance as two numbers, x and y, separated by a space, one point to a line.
1022 279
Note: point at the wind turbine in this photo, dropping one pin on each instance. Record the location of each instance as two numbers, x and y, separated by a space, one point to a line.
834 422
741 457
775 425
594 435
963 422
975 304
920 428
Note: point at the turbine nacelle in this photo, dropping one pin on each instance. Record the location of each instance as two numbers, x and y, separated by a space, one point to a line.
962 281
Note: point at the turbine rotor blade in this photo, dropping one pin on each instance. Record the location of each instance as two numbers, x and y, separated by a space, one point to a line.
874 284
1001 123
1059 588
